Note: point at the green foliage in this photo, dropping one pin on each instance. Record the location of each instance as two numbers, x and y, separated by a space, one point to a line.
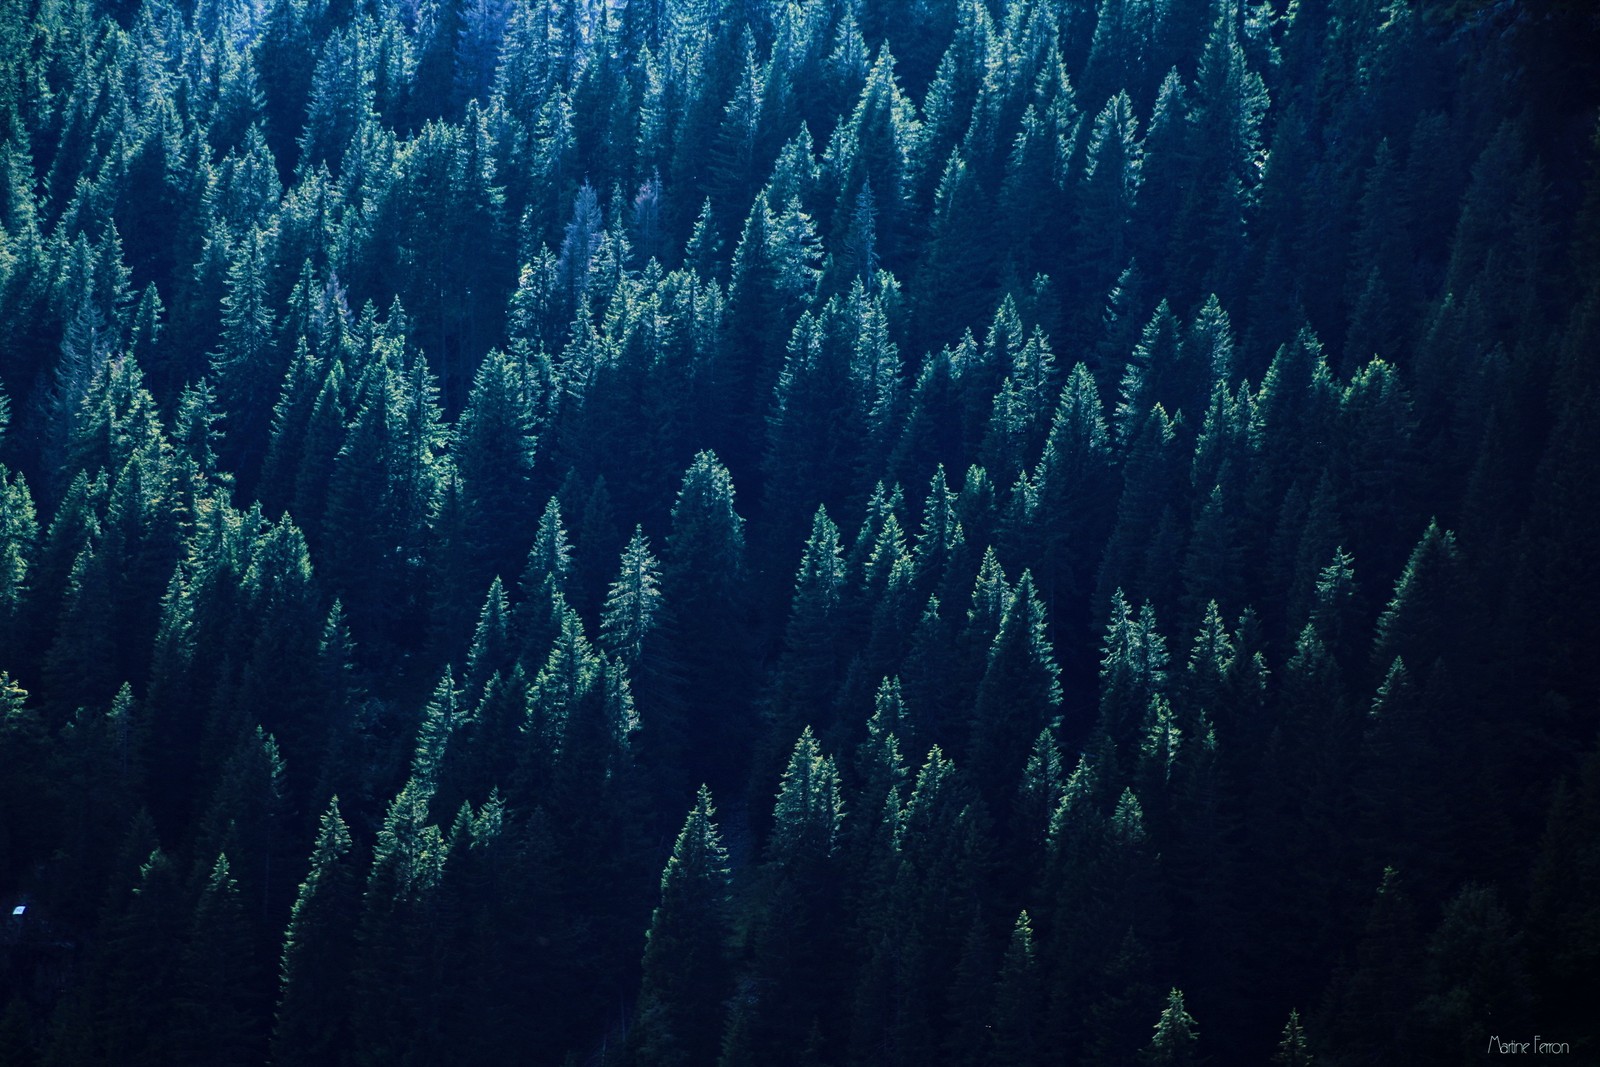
1174 1040
686 973
633 603
320 319
219 984
1018 696
1293 1050
313 1000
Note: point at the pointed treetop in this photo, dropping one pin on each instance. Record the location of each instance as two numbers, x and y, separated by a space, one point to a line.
704 521
333 838
491 640
1173 1044
1077 805
1127 820
551 555
1210 340
440 717
1395 694
221 880
698 856
809 808
888 711
1426 596
633 601
1212 654
1293 1050
1159 747
409 851
990 593
822 562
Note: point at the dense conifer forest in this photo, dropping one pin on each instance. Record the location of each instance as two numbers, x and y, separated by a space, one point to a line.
728 533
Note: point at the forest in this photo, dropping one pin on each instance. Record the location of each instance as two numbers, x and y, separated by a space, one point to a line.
832 533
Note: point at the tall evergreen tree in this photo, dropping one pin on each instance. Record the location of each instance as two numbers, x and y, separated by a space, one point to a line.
703 585
219 1011
1017 698
686 975
318 950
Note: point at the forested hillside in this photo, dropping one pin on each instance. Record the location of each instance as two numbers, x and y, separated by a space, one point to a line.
821 532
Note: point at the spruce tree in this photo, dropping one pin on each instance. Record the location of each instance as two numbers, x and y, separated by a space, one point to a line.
685 969
219 1010
1017 698
709 728
632 610
796 937
496 446
1017 1001
1293 1049
318 950
1173 1044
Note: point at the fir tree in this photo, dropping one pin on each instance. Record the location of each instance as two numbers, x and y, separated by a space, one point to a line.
1017 698
1293 1050
633 603
318 949
1175 1037
219 1017
685 968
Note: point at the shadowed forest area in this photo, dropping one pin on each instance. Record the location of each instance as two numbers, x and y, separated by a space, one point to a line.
833 533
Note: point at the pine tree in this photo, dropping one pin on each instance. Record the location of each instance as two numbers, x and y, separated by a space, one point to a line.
219 1012
1038 176
442 716
1175 1036
956 284
1107 195
795 940
1133 670
318 950
383 483
248 814
685 969
1223 159
1145 375
144 977
393 966
564 685
764 300
493 649
1370 1000
807 671
1072 480
1424 612
816 424
495 450
545 582
1143 554
632 610
19 541
1017 426
341 99
246 367
1017 698
1018 1003
942 855
703 588
1476 964
1107 956
478 47
1293 1049
941 553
